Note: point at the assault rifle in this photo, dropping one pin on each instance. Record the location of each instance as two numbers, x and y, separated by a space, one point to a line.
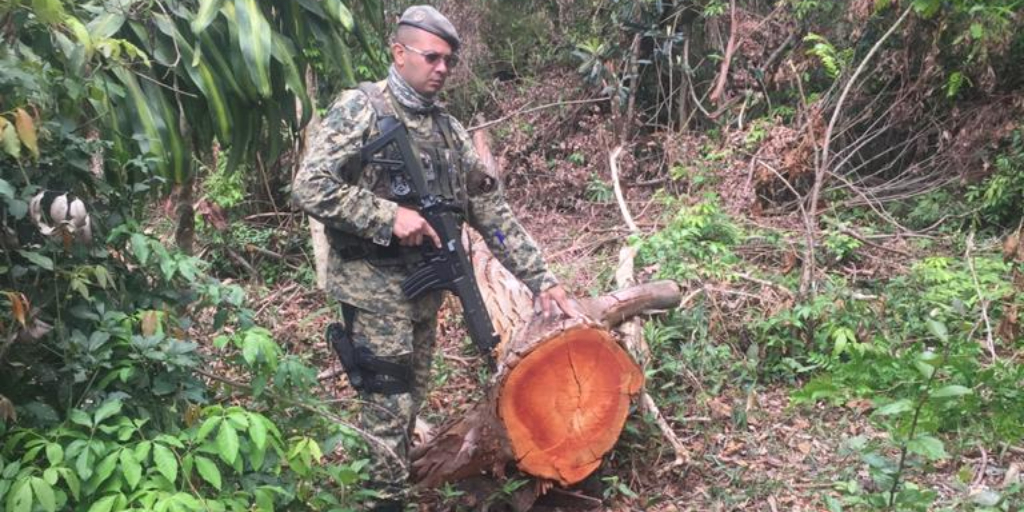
447 268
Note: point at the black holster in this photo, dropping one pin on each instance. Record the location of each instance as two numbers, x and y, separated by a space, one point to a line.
366 371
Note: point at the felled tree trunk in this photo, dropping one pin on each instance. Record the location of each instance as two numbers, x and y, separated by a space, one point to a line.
560 395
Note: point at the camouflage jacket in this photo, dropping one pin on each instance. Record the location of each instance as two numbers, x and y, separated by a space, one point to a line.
319 188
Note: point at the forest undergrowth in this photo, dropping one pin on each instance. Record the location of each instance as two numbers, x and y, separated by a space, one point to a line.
837 187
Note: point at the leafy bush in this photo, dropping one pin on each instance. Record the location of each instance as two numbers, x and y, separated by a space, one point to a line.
697 241
1000 197
108 400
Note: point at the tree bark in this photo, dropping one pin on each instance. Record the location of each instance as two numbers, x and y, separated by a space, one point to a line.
185 233
316 228
560 394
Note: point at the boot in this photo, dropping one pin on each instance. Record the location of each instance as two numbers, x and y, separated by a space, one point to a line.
389 506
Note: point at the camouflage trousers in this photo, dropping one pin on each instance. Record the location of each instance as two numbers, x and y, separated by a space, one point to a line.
392 417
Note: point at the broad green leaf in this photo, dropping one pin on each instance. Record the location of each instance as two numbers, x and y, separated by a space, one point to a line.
938 329
951 391
146 121
81 34
339 13
6 190
170 440
103 470
928 447
254 39
20 497
314 7
166 462
264 499
54 454
202 76
208 470
26 129
48 11
258 433
227 443
131 468
37 259
102 276
926 369
208 10
79 417
83 464
140 246
107 410
177 154
105 25
256 457
104 505
9 138
208 425
896 407
44 494
344 58
221 66
74 485
238 419
142 450
284 53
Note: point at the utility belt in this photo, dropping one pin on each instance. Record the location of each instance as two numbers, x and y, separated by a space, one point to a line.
350 248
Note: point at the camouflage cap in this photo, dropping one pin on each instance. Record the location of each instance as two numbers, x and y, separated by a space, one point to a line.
425 17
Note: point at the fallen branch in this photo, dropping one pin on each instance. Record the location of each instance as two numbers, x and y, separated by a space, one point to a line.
632 332
242 263
534 109
865 241
613 163
823 161
730 49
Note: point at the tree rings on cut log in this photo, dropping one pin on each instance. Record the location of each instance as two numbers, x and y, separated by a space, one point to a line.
565 403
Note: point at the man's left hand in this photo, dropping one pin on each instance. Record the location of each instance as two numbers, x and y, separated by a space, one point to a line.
557 297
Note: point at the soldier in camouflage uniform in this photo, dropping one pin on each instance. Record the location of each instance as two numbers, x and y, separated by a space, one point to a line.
375 238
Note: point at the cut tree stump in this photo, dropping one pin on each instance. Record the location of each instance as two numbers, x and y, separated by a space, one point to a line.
560 394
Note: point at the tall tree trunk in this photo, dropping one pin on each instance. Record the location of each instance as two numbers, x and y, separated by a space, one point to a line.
185 234
316 228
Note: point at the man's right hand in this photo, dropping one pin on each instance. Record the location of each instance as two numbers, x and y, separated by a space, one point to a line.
411 228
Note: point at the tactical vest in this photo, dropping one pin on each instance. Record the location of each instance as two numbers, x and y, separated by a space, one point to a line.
443 169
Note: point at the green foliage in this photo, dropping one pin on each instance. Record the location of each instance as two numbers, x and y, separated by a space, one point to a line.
599 190
834 60
841 246
999 199
111 413
225 189
518 36
697 242
929 209
102 361
806 8
165 80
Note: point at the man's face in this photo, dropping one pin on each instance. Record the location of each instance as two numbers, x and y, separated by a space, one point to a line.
423 59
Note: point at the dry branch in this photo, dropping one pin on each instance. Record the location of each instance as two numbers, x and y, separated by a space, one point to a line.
730 49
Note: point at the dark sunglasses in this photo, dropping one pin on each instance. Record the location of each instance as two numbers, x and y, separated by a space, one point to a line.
451 60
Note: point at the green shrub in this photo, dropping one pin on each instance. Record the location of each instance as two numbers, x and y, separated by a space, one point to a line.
698 241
